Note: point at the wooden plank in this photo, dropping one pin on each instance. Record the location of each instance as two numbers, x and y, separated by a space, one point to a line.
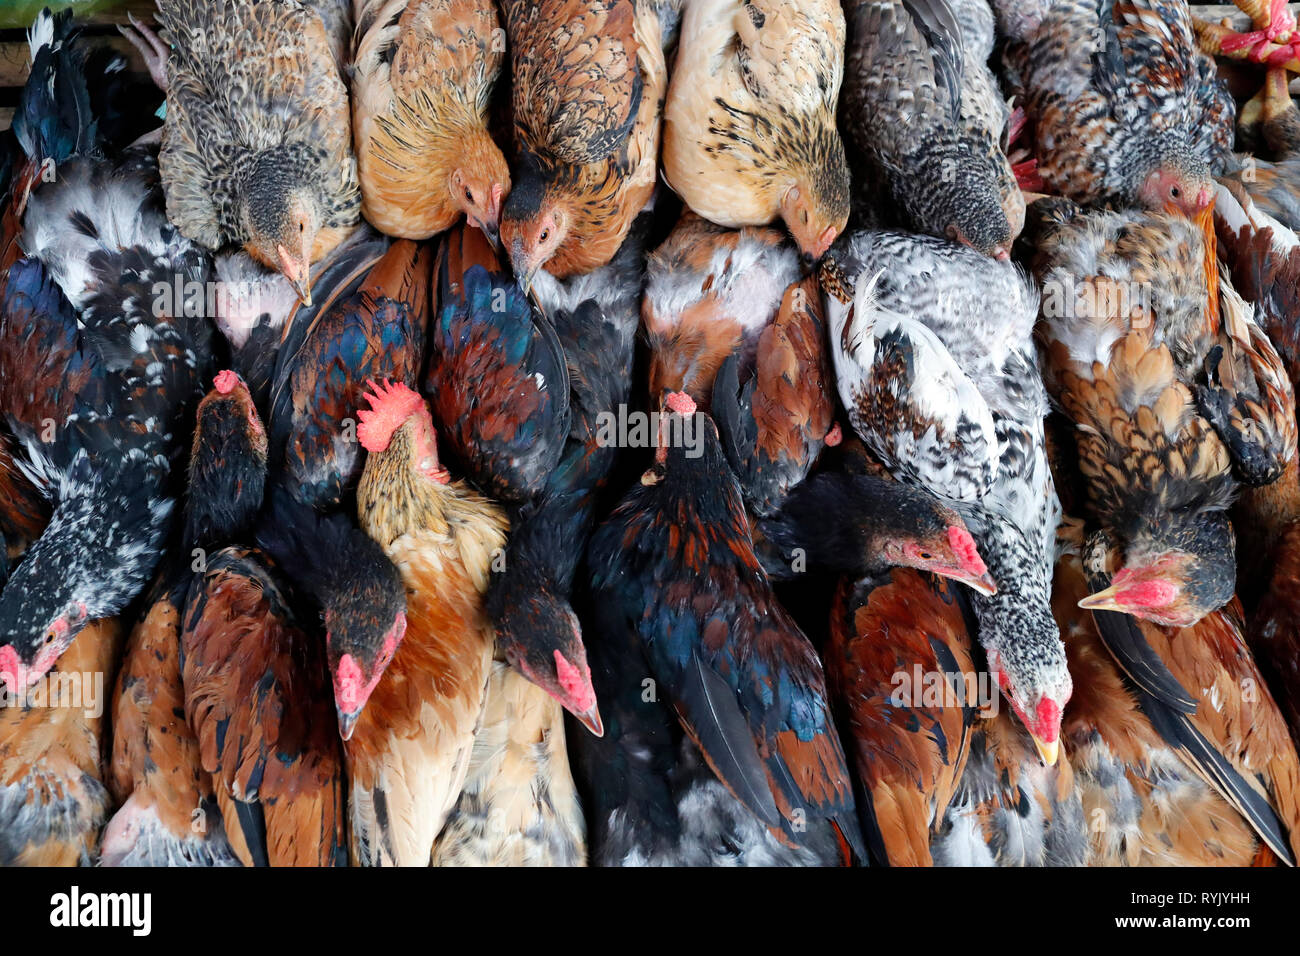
103 12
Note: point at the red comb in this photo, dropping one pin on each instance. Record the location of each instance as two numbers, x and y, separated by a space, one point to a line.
391 404
681 403
963 545
226 381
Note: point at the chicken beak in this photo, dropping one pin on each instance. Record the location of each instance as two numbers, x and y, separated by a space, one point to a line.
1049 751
984 584
298 272
519 262
590 719
347 724
1103 601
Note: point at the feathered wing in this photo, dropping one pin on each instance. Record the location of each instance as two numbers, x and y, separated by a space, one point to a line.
774 426
909 741
907 397
577 87
509 431
165 815
259 702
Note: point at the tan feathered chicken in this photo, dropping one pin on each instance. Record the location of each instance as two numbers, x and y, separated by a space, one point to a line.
749 125
409 751
589 84
421 86
52 798
257 143
519 806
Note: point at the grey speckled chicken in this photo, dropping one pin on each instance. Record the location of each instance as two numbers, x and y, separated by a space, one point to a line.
257 143
1123 105
923 109
936 367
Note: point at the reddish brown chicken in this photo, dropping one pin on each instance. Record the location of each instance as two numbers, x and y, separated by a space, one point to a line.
711 291
589 82
167 813
909 741
1204 694
258 699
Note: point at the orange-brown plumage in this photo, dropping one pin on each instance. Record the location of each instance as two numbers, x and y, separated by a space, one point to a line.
423 79
156 775
909 750
52 798
1204 692
1145 806
410 749
257 697
711 291
589 83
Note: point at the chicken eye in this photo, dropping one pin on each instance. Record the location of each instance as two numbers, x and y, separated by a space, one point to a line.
545 234
469 196
50 636
1174 192
926 555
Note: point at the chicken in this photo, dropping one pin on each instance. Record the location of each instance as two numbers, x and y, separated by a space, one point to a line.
595 324
1128 341
508 432
1124 107
1144 804
860 524
774 422
227 465
358 592
909 748
936 367
98 373
710 292
749 123
372 327
52 796
1227 727
588 93
257 699
921 106
409 749
519 806
257 142
422 82
652 798
746 684
167 812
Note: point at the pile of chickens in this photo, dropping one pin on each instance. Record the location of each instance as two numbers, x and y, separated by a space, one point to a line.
910 478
